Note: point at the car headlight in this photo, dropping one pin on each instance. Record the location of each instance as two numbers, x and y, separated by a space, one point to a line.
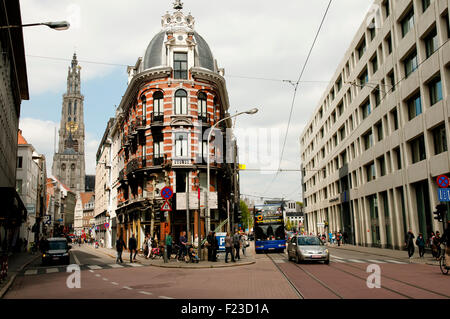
326 251
66 254
43 255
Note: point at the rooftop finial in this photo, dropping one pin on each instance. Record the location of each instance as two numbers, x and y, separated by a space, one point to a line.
178 5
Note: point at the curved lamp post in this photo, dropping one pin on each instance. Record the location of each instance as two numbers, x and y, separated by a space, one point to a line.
59 25
208 212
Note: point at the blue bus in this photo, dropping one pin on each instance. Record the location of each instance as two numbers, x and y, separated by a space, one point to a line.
269 228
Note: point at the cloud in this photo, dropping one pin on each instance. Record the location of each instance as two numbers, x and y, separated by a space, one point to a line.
41 134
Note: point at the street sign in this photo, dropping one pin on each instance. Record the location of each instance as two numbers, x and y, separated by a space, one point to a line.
444 194
31 209
443 181
106 225
221 239
166 207
47 219
167 192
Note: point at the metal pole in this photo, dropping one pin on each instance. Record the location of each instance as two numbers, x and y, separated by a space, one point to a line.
188 220
199 223
228 216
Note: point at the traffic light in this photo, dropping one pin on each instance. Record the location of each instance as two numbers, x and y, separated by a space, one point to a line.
441 209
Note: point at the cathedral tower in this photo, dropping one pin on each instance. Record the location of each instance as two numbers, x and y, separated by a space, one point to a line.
69 161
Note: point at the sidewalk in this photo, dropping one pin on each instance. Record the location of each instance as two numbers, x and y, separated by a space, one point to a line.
159 261
16 263
391 253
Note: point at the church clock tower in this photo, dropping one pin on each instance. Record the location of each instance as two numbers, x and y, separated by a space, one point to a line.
69 161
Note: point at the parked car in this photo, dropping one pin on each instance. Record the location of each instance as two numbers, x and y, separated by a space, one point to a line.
302 248
56 250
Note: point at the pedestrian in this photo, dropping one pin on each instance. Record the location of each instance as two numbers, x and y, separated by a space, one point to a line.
330 237
237 245
195 244
345 238
338 238
169 245
409 243
446 239
215 248
244 243
120 246
183 247
420 242
432 245
333 238
209 245
132 246
229 247
147 246
437 243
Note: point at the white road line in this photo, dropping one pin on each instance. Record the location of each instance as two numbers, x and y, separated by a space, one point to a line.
76 259
279 261
126 287
91 270
396 262
105 279
97 275
145 293
356 261
337 257
31 272
52 270
376 261
114 283
338 260
115 266
94 267
164 297
136 265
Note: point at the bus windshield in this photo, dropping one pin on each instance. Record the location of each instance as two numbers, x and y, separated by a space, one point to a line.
309 241
269 232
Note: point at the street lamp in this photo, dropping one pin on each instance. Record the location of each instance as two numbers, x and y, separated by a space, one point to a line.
208 214
59 25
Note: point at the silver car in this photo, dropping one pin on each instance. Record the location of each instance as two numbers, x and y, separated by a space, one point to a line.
301 248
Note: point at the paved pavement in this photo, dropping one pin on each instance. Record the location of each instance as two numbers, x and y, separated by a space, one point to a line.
16 263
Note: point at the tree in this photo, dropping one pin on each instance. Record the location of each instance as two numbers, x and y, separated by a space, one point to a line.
247 220
288 225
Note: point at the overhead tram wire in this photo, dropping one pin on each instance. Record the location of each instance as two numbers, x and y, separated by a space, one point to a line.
296 89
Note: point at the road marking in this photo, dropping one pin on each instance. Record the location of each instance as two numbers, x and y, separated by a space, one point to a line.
337 257
31 272
145 293
76 259
94 267
136 265
126 287
97 275
91 270
396 262
338 260
376 261
105 279
279 261
114 283
164 297
52 270
356 261
115 266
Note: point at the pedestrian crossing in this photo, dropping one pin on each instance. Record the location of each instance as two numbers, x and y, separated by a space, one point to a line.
53 270
365 261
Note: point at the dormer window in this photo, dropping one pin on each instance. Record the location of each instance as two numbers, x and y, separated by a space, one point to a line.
180 66
181 102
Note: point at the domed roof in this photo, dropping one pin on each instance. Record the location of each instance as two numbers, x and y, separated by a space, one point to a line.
178 24
155 50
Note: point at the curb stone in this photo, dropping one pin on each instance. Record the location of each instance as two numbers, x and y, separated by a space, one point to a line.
11 281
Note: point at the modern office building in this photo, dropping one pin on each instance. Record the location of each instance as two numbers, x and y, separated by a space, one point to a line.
378 138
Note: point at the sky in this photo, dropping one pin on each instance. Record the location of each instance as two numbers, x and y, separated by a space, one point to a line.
259 43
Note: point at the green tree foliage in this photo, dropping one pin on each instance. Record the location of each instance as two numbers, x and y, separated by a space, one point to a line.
247 219
288 225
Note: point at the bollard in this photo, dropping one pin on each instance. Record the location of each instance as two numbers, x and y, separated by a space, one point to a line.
165 255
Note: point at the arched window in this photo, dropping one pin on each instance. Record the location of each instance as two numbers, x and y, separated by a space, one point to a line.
181 102
201 102
75 108
70 108
144 107
158 103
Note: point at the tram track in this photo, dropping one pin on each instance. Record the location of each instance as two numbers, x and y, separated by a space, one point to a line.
323 284
296 290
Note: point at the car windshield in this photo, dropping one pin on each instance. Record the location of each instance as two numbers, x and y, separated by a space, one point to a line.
309 241
57 245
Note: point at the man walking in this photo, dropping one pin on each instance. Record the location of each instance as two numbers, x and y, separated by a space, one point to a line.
169 245
120 245
132 246
409 242
237 244
210 240
229 248
420 242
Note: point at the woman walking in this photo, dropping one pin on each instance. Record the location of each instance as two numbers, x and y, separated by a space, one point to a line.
409 243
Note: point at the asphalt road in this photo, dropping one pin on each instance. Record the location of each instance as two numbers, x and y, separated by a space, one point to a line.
271 277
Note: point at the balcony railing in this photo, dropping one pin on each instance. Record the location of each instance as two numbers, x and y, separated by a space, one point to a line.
122 175
204 118
157 119
140 123
181 162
